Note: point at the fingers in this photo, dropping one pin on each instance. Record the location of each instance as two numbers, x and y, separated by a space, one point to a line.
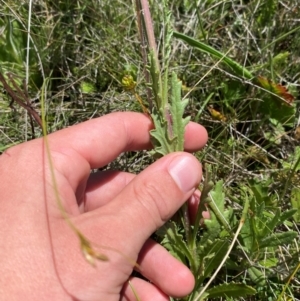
193 204
103 186
165 273
163 270
146 203
97 142
195 137
101 140
143 290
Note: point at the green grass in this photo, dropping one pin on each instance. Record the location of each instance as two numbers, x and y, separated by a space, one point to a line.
84 48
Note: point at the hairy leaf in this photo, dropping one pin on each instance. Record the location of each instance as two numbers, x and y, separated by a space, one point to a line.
168 134
278 239
231 290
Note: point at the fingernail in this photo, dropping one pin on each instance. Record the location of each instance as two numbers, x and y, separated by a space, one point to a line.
184 172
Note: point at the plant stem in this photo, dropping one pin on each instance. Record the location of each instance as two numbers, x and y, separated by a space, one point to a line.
218 214
242 221
140 26
149 30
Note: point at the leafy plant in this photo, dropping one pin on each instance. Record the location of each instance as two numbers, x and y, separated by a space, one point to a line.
205 250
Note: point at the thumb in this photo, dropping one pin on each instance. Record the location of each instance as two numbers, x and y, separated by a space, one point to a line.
150 199
123 225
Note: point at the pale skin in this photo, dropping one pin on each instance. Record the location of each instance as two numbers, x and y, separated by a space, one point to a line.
40 256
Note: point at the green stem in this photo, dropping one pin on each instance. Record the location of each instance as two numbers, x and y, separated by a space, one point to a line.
207 186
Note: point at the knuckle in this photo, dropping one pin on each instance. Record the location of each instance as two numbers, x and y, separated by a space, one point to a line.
152 197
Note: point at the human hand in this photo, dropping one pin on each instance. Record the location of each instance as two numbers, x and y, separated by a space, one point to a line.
40 257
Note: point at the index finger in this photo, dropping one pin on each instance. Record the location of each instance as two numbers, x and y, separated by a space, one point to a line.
103 139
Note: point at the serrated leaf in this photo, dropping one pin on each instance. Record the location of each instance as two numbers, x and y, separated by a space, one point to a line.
280 58
168 134
159 137
177 110
219 217
218 195
174 242
230 290
213 227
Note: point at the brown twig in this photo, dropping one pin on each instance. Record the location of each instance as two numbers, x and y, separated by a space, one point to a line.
146 33
25 86
149 30
20 98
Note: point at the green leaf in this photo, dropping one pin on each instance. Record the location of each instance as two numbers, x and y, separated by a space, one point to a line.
214 255
156 84
212 224
267 12
248 234
13 49
235 67
218 195
295 201
286 215
260 191
257 276
289 164
275 108
159 136
277 239
13 45
87 87
177 111
174 242
168 134
218 214
280 59
271 224
230 290
276 133
269 262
